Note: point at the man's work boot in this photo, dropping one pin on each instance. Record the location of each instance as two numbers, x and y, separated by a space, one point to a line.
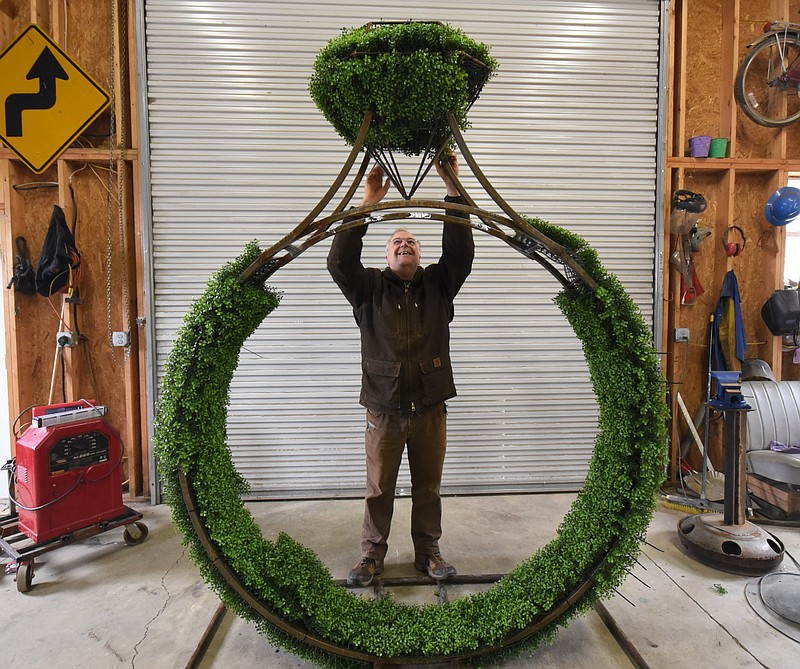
434 565
361 575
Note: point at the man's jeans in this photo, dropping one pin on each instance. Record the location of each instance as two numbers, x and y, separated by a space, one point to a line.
386 436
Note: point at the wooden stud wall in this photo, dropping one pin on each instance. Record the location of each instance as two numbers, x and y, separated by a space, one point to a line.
708 41
99 37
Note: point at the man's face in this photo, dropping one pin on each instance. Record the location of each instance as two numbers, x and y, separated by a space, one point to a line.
402 253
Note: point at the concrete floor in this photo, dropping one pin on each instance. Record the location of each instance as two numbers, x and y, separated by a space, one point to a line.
100 603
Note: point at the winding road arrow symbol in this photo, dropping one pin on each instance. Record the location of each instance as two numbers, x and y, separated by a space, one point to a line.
46 69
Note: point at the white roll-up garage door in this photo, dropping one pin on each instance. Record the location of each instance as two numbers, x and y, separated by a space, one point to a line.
566 131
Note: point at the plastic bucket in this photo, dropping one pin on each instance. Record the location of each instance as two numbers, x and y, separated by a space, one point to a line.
699 146
718 147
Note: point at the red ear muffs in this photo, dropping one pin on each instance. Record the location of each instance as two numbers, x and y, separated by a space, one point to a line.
733 249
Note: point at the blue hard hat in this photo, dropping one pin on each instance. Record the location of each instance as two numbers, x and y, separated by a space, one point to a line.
783 206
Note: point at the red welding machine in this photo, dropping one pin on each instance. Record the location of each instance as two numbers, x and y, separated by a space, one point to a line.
68 470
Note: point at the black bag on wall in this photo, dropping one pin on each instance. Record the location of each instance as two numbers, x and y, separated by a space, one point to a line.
59 259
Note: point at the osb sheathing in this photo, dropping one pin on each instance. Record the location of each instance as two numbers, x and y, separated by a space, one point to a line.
704 48
89 367
757 266
690 360
736 191
755 141
82 29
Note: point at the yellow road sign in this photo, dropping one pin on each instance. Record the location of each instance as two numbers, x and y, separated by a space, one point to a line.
46 100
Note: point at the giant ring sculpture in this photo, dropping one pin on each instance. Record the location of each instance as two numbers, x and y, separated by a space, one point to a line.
282 586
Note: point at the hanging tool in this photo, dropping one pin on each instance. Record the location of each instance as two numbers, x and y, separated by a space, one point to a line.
686 210
24 277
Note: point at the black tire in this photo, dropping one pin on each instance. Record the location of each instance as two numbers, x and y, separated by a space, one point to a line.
762 94
24 576
136 536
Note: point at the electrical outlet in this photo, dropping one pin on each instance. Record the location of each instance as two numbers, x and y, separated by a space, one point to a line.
65 339
121 338
681 334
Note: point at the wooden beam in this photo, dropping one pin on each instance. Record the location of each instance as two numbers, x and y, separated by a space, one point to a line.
729 63
9 299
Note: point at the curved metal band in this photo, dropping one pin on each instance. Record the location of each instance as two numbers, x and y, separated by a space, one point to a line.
487 222
556 249
527 240
302 634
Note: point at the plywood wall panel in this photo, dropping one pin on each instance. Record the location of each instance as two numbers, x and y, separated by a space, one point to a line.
14 18
84 29
691 361
756 267
704 44
35 319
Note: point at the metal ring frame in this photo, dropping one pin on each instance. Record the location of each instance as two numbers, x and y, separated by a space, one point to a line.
526 239
302 634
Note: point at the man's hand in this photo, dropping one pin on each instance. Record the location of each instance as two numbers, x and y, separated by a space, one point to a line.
452 158
375 188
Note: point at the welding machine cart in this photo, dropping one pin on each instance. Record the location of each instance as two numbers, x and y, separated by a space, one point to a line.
68 486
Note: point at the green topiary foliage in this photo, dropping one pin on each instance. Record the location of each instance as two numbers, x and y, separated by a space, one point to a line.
409 74
597 540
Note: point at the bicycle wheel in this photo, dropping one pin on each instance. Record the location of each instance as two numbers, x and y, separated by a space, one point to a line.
767 85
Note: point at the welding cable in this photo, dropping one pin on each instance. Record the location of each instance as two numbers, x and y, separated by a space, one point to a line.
41 506
110 471
20 415
87 351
